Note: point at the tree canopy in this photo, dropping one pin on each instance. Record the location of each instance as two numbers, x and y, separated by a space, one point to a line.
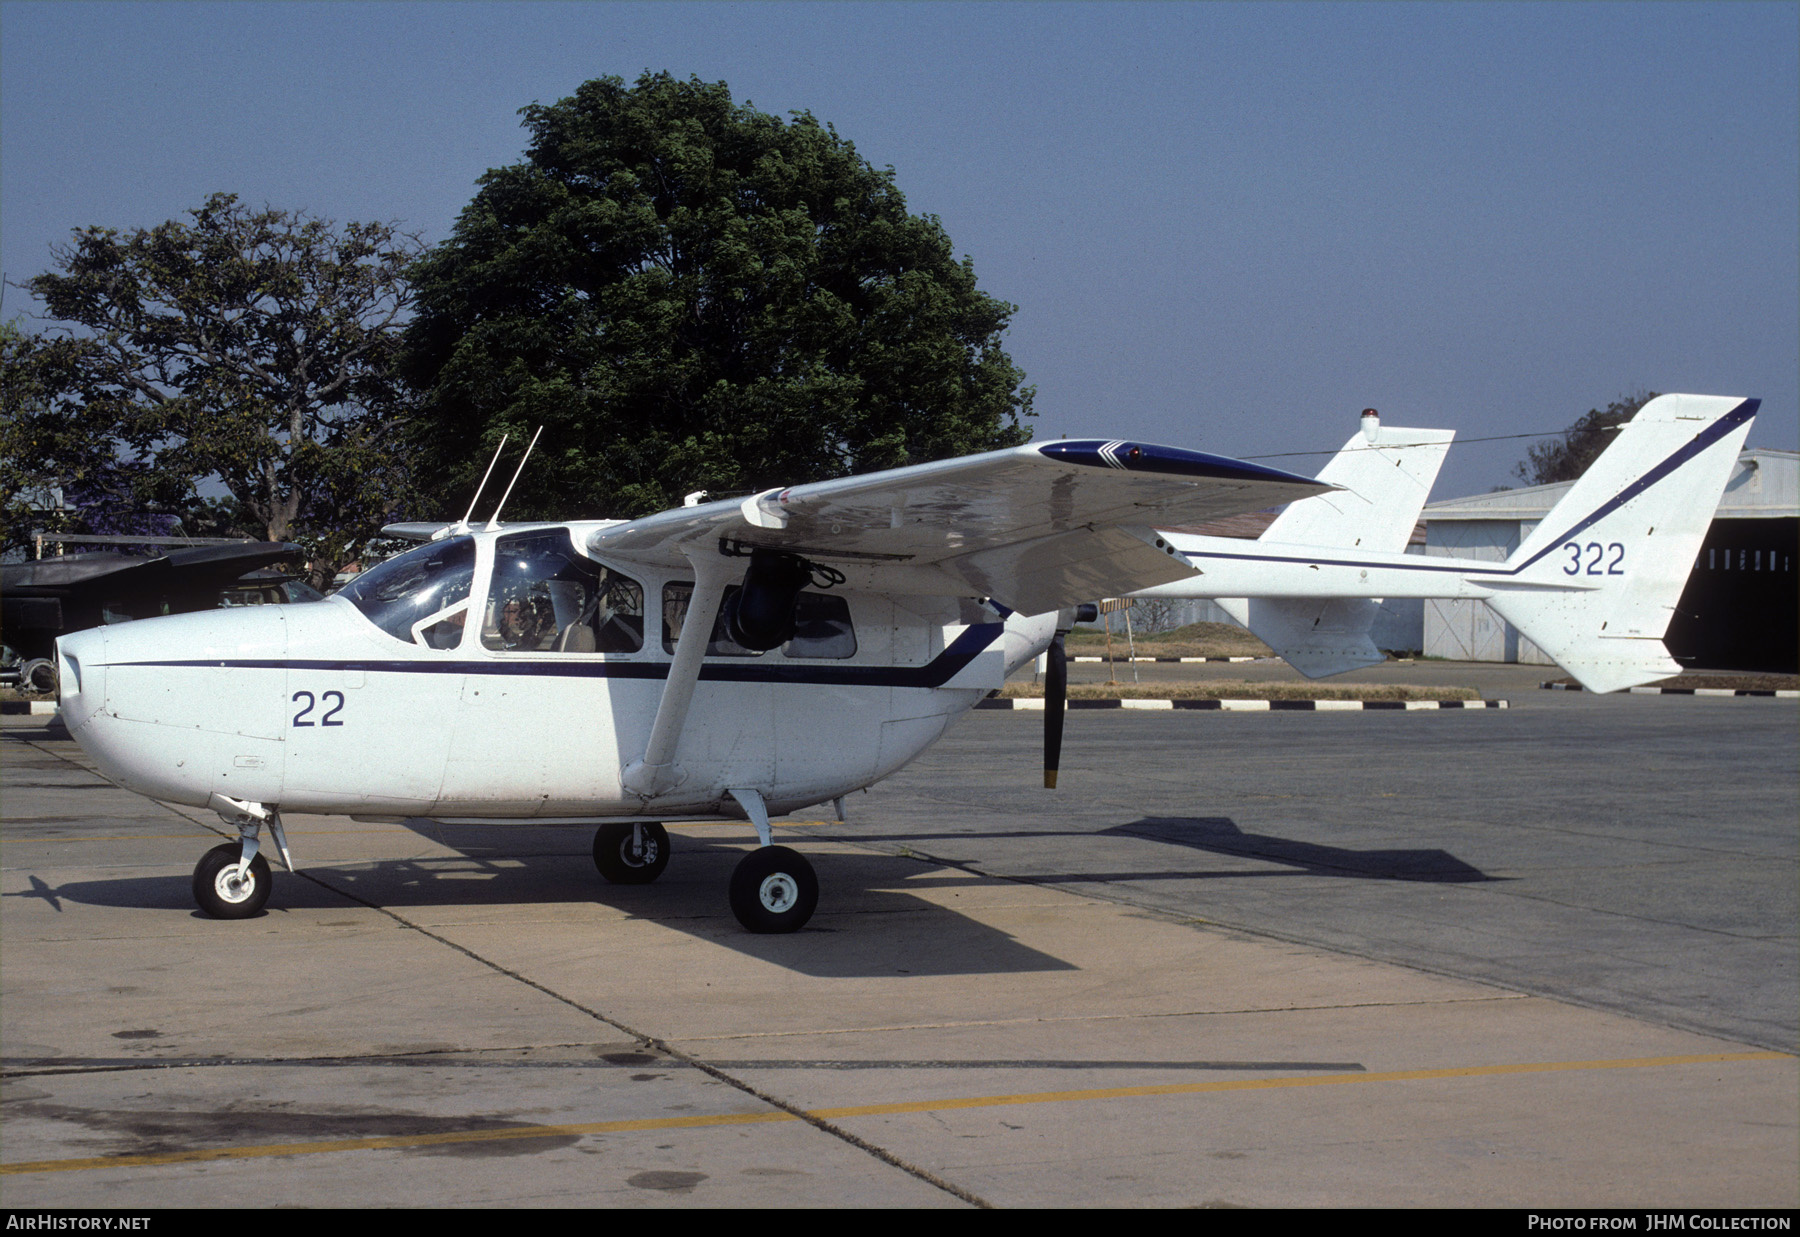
691 294
256 347
50 449
1567 457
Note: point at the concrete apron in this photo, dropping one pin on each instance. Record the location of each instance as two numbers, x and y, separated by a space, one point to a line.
506 1030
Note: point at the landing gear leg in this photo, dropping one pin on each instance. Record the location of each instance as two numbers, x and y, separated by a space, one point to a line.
774 889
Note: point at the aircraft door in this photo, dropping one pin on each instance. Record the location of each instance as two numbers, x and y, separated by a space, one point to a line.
561 637
370 734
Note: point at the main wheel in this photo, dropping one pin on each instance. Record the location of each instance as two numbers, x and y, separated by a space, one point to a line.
220 893
774 890
624 864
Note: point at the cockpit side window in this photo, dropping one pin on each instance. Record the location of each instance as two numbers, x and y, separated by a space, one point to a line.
821 627
429 581
675 599
547 598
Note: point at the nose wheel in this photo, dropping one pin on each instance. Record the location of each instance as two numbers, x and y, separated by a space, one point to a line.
774 890
225 889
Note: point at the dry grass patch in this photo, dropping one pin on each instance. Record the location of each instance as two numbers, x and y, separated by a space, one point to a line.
1194 640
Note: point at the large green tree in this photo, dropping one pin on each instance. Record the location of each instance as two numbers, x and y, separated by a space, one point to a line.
52 456
691 294
256 347
1566 457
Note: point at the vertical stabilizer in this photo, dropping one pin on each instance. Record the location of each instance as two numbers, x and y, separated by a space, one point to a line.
1595 584
1385 484
1386 474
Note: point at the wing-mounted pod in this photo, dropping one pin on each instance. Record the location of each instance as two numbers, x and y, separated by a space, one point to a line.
760 615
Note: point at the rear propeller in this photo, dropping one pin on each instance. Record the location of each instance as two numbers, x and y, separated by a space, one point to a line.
1056 687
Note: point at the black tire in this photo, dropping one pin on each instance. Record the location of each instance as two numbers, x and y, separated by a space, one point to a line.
217 895
774 889
620 864
38 675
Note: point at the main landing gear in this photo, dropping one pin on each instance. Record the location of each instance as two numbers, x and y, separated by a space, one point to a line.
773 889
633 854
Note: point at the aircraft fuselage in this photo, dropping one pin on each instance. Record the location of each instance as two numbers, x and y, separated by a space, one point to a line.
317 709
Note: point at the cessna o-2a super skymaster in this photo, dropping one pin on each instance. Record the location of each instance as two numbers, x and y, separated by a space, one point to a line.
745 659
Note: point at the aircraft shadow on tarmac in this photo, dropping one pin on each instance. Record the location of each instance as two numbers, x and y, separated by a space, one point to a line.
1220 835
544 865
547 866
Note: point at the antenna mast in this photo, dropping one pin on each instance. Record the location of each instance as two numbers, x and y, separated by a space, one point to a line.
462 525
494 523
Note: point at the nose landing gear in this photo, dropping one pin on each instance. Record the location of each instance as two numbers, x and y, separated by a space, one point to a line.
232 880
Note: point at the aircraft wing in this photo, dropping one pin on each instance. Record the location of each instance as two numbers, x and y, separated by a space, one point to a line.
1037 527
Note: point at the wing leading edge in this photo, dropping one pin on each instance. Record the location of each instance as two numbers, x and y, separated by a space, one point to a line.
1036 527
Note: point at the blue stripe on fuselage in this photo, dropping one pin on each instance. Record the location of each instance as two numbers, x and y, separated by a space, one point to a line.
940 670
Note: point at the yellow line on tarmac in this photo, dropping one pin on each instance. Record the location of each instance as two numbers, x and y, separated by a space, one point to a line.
404 1141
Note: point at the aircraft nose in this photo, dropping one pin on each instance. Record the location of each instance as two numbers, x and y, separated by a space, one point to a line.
80 677
161 709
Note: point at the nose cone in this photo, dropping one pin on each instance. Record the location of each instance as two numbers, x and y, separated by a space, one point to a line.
165 706
81 677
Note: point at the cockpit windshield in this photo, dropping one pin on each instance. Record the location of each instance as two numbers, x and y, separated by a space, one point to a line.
426 583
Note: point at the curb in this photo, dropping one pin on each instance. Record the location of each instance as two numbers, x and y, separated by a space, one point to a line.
37 708
1255 706
1682 691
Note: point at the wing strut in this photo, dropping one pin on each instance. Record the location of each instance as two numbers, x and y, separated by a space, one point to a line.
657 772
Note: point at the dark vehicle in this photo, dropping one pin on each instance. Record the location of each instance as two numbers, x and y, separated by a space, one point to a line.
42 599
268 588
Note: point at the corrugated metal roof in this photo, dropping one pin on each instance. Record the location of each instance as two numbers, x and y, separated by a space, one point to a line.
1764 485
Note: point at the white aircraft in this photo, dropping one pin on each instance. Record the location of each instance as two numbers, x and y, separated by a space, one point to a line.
746 659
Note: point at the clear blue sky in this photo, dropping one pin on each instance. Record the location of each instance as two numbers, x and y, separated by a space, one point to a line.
1225 226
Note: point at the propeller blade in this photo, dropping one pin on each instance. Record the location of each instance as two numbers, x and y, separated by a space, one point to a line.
1056 694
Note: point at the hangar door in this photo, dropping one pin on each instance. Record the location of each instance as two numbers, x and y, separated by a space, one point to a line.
1741 607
